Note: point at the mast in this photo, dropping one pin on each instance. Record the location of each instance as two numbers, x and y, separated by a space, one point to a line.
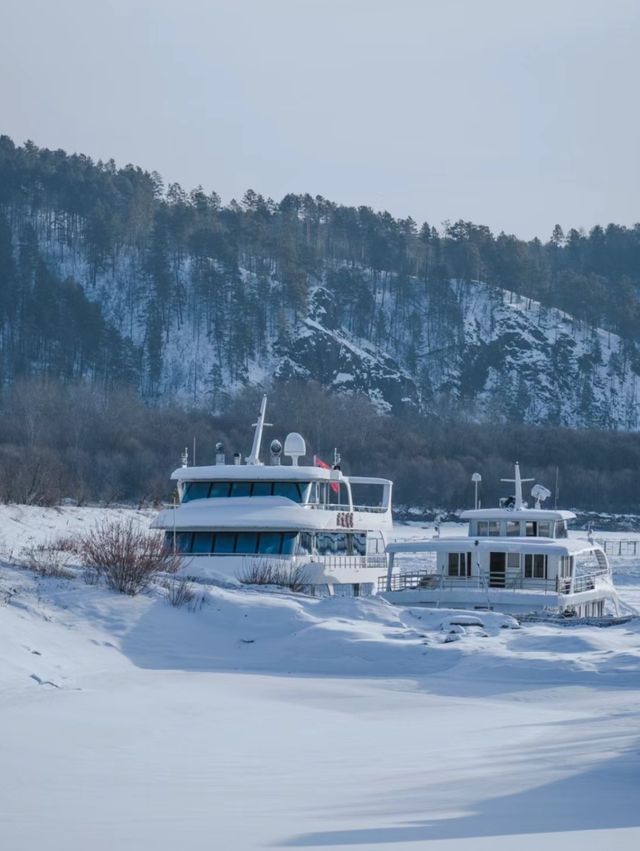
254 458
518 486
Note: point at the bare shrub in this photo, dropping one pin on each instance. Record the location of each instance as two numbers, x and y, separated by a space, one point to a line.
125 556
91 576
67 544
271 573
180 592
46 560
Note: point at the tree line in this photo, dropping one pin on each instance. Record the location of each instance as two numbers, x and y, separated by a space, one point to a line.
90 443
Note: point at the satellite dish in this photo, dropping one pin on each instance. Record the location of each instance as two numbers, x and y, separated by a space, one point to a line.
295 447
476 477
540 493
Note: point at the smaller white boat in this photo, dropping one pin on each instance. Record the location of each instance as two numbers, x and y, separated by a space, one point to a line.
514 559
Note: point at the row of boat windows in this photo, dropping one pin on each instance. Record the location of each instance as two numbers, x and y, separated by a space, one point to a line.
211 490
514 528
268 543
533 565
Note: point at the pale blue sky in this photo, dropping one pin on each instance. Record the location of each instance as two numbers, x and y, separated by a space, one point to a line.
511 114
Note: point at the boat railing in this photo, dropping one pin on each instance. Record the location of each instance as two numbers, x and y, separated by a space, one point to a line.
424 579
335 506
621 547
333 562
587 581
409 581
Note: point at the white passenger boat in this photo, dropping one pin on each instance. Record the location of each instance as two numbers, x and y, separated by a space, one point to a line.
243 520
514 559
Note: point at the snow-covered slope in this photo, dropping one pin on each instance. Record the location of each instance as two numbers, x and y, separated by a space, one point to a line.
491 352
266 720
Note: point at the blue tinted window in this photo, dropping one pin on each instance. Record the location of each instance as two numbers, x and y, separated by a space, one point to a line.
241 489
323 543
262 489
332 543
288 543
202 542
196 490
247 542
270 542
305 543
225 542
359 543
183 541
219 489
291 490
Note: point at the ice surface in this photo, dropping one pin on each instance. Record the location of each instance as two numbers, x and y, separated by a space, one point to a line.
270 720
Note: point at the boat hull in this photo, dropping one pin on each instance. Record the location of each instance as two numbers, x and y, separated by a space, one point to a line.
363 571
500 599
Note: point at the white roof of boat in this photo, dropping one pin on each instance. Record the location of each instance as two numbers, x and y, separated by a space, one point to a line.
267 472
255 512
517 514
565 546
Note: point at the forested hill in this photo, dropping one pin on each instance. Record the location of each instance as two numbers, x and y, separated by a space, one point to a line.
107 274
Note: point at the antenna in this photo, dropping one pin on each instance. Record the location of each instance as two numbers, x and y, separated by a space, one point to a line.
518 483
184 458
476 478
254 458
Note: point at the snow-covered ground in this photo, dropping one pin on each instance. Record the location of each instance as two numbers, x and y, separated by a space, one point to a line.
269 720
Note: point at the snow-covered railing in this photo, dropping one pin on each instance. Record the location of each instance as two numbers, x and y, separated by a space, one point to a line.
621 547
586 581
378 562
419 579
423 579
334 506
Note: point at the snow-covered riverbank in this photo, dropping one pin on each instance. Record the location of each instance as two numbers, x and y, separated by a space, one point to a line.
274 720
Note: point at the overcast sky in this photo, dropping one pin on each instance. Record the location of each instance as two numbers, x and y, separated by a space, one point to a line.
512 114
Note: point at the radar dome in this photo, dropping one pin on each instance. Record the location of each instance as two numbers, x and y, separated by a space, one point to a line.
295 447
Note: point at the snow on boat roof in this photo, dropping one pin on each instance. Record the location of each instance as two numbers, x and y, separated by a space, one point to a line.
516 514
568 546
255 513
268 472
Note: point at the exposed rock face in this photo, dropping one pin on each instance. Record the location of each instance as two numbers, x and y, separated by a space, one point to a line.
484 351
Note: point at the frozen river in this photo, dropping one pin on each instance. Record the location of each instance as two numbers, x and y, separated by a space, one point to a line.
278 721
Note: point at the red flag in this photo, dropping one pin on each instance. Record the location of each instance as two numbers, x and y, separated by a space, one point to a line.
335 487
